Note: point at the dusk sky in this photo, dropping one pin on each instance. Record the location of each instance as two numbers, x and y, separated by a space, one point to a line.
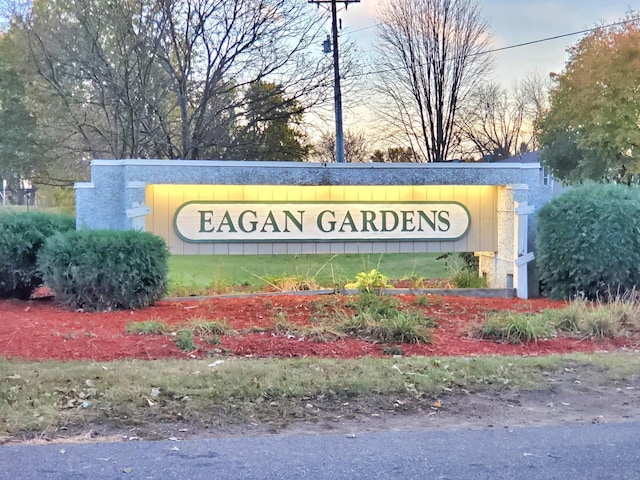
511 22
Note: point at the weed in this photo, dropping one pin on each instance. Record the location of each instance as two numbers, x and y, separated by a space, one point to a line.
184 340
585 319
290 283
212 340
369 282
513 327
421 301
379 306
393 350
281 323
218 286
211 327
400 327
148 327
465 278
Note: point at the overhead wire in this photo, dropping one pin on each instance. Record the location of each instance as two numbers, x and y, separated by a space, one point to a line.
499 49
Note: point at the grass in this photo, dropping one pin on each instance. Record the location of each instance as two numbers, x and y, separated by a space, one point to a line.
514 327
465 278
147 327
580 319
42 396
378 319
185 340
199 275
205 327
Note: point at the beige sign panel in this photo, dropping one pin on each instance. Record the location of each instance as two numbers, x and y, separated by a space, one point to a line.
218 226
203 221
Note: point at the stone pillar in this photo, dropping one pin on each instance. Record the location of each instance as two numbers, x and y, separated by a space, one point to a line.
499 267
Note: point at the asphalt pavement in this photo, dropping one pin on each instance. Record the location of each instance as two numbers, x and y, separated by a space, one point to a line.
599 451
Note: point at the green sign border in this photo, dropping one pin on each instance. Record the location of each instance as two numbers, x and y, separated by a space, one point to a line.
319 240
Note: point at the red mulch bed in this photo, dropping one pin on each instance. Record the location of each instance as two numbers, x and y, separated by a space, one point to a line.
40 329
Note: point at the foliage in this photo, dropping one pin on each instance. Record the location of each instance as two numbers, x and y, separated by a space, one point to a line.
588 242
147 327
378 319
19 150
105 269
172 79
513 327
184 340
583 319
21 237
591 129
269 132
393 350
466 278
369 281
211 327
580 319
210 274
393 155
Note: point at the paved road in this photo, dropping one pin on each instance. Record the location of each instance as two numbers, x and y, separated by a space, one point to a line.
605 451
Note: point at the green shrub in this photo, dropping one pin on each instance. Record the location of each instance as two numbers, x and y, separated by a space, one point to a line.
588 242
105 269
22 234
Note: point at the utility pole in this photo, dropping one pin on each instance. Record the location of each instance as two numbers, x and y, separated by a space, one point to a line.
337 93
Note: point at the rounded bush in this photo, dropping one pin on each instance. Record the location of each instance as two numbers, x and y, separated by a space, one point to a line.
22 234
588 242
99 270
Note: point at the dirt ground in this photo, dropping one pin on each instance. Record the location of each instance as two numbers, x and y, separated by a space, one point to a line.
576 394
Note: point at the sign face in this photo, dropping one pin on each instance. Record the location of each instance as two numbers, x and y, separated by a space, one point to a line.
208 221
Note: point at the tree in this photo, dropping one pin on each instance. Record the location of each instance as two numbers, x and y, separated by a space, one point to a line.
166 79
356 148
430 55
393 155
591 130
270 131
493 121
18 149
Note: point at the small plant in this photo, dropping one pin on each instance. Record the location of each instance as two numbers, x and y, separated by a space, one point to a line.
393 350
421 301
212 340
290 283
148 327
184 340
515 328
211 327
369 282
378 306
282 324
378 319
583 319
465 278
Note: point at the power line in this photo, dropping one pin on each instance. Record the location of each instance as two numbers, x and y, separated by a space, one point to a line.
500 49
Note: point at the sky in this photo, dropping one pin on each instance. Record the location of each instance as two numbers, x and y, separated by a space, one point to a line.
511 22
